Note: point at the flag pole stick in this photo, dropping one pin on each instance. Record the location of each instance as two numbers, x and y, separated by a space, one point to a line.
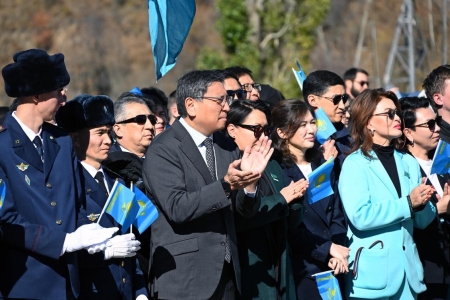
131 188
108 200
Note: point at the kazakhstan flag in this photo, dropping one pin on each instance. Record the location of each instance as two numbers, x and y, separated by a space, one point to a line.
324 126
147 213
328 286
299 75
122 206
2 192
319 182
441 159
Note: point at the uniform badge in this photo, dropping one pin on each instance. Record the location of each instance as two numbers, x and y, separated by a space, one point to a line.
274 177
27 180
2 128
93 217
22 167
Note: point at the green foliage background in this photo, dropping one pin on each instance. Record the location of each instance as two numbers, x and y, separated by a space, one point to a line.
270 60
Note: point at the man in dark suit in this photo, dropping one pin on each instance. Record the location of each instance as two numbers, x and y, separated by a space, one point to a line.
194 177
38 219
113 273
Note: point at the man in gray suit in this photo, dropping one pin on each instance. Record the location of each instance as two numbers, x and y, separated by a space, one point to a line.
198 182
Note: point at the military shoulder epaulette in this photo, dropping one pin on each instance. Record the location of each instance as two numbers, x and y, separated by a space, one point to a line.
2 128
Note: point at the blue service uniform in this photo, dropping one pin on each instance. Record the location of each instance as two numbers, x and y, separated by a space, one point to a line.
41 205
116 278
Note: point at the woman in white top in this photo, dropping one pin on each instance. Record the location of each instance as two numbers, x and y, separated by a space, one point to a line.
421 136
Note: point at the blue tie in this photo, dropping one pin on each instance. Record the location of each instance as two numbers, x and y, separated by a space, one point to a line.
38 143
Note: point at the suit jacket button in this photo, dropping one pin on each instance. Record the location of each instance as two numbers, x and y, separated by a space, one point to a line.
59 222
49 185
222 243
124 280
404 248
123 263
214 209
53 203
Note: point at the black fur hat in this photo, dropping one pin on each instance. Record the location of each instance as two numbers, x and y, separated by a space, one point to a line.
34 72
86 111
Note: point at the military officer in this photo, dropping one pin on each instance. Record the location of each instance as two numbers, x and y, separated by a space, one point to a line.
38 219
115 272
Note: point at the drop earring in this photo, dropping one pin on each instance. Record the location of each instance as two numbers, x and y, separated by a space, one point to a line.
372 132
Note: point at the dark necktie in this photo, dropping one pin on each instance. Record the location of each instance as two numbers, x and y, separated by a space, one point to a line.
101 182
211 163
38 143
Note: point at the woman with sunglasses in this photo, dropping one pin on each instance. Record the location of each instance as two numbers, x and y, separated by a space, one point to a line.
262 239
421 136
385 197
318 243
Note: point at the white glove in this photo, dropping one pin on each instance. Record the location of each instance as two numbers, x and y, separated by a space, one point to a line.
141 297
98 247
122 246
86 236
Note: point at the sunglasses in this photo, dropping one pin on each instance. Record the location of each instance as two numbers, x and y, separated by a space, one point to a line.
240 94
430 124
336 98
220 100
362 83
140 120
250 86
257 129
390 114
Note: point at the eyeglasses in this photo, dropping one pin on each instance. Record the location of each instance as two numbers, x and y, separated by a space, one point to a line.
140 120
257 129
362 83
390 113
336 98
431 124
219 100
250 86
241 94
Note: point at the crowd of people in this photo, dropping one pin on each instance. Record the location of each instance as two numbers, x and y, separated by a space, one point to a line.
226 162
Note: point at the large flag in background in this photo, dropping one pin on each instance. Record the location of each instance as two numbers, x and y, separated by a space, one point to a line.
328 286
319 182
441 159
2 192
324 126
122 205
169 25
299 75
147 213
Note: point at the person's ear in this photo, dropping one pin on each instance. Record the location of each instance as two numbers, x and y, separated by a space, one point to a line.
36 99
231 129
118 130
191 106
281 134
438 99
313 101
408 134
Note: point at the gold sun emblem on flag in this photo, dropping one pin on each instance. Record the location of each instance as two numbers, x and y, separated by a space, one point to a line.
321 124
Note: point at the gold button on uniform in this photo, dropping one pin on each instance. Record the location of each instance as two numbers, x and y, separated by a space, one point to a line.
123 263
124 280
59 222
49 185
53 203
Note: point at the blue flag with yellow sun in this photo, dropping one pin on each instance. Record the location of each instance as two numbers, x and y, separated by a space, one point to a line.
2 192
328 286
441 159
122 205
324 126
147 213
319 182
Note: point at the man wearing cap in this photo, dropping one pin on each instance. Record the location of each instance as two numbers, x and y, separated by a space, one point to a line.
38 219
113 273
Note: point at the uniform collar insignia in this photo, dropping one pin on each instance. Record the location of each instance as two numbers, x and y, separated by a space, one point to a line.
274 177
22 167
93 217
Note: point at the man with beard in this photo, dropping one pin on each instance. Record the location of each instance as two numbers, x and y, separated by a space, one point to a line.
356 81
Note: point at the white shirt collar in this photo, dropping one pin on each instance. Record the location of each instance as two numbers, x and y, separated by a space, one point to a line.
126 150
198 137
30 133
91 170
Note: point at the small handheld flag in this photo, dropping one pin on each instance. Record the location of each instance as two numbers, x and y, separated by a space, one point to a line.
299 75
2 192
328 286
121 205
147 213
441 159
324 126
319 182
136 91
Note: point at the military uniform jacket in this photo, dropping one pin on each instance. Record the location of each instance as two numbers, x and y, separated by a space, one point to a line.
115 278
40 207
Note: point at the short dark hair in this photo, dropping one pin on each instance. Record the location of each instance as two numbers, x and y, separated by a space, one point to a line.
288 115
239 111
227 74
239 71
350 74
194 84
157 95
318 82
434 83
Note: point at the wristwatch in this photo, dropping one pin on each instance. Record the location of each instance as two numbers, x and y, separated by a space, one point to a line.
226 186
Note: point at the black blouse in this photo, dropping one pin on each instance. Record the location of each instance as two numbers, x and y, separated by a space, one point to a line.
386 156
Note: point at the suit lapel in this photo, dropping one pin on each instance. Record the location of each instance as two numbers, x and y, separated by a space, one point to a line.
403 173
22 145
190 149
221 162
379 171
51 149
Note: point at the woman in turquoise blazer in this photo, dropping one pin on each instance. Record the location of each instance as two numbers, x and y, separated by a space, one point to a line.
384 197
